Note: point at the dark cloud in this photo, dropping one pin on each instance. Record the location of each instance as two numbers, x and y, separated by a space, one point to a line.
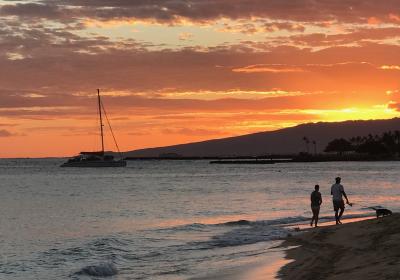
25 99
65 71
357 36
32 10
5 133
260 26
204 10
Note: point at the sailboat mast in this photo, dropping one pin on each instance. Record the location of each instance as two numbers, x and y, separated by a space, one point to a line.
101 121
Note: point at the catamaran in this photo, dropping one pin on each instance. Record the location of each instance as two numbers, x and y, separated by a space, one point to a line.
99 158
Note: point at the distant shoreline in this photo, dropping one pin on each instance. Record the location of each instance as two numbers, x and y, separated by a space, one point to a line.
276 158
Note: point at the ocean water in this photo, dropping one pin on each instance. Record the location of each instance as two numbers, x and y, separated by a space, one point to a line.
165 219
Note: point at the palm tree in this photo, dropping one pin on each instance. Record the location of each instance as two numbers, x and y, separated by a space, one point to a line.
397 140
315 146
307 141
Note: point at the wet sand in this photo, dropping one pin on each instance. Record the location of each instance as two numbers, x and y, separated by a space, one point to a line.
264 269
364 250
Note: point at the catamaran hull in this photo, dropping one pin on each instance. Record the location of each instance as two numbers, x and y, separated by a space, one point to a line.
121 163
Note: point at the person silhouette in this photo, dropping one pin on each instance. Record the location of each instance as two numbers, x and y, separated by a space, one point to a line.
316 201
337 192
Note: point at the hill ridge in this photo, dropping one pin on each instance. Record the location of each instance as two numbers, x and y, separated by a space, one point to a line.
287 140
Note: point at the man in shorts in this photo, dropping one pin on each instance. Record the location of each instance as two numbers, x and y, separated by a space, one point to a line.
316 201
337 192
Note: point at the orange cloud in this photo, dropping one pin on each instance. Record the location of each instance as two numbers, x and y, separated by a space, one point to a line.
390 67
260 68
185 36
373 21
260 26
394 17
112 23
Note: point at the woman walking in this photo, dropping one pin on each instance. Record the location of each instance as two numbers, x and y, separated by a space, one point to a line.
316 201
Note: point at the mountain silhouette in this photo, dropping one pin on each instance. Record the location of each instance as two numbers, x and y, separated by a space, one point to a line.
285 141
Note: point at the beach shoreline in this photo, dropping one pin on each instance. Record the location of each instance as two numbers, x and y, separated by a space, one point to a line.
275 258
367 249
266 268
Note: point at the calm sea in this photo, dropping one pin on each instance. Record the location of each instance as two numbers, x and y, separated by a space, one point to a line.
165 219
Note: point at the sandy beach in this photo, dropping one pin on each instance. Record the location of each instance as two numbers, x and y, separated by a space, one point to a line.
367 249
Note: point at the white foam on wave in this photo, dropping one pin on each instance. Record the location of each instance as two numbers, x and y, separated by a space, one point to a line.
234 223
248 235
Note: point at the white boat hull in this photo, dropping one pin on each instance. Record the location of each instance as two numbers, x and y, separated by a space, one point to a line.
120 163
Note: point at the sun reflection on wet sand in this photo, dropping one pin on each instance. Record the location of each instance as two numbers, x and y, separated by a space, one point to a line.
266 272
265 269
306 226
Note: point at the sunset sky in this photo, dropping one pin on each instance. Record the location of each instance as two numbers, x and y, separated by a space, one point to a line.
178 71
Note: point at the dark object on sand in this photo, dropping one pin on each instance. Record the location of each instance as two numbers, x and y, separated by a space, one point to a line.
382 212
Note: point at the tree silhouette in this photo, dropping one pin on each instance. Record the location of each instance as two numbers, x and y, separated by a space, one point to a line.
315 146
307 141
372 147
339 146
386 144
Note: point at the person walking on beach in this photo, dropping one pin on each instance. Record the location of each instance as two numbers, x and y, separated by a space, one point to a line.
316 201
337 192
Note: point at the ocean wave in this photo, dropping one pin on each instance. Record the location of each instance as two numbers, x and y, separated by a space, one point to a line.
372 207
244 232
239 236
346 217
100 246
237 223
109 244
234 223
190 227
100 270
